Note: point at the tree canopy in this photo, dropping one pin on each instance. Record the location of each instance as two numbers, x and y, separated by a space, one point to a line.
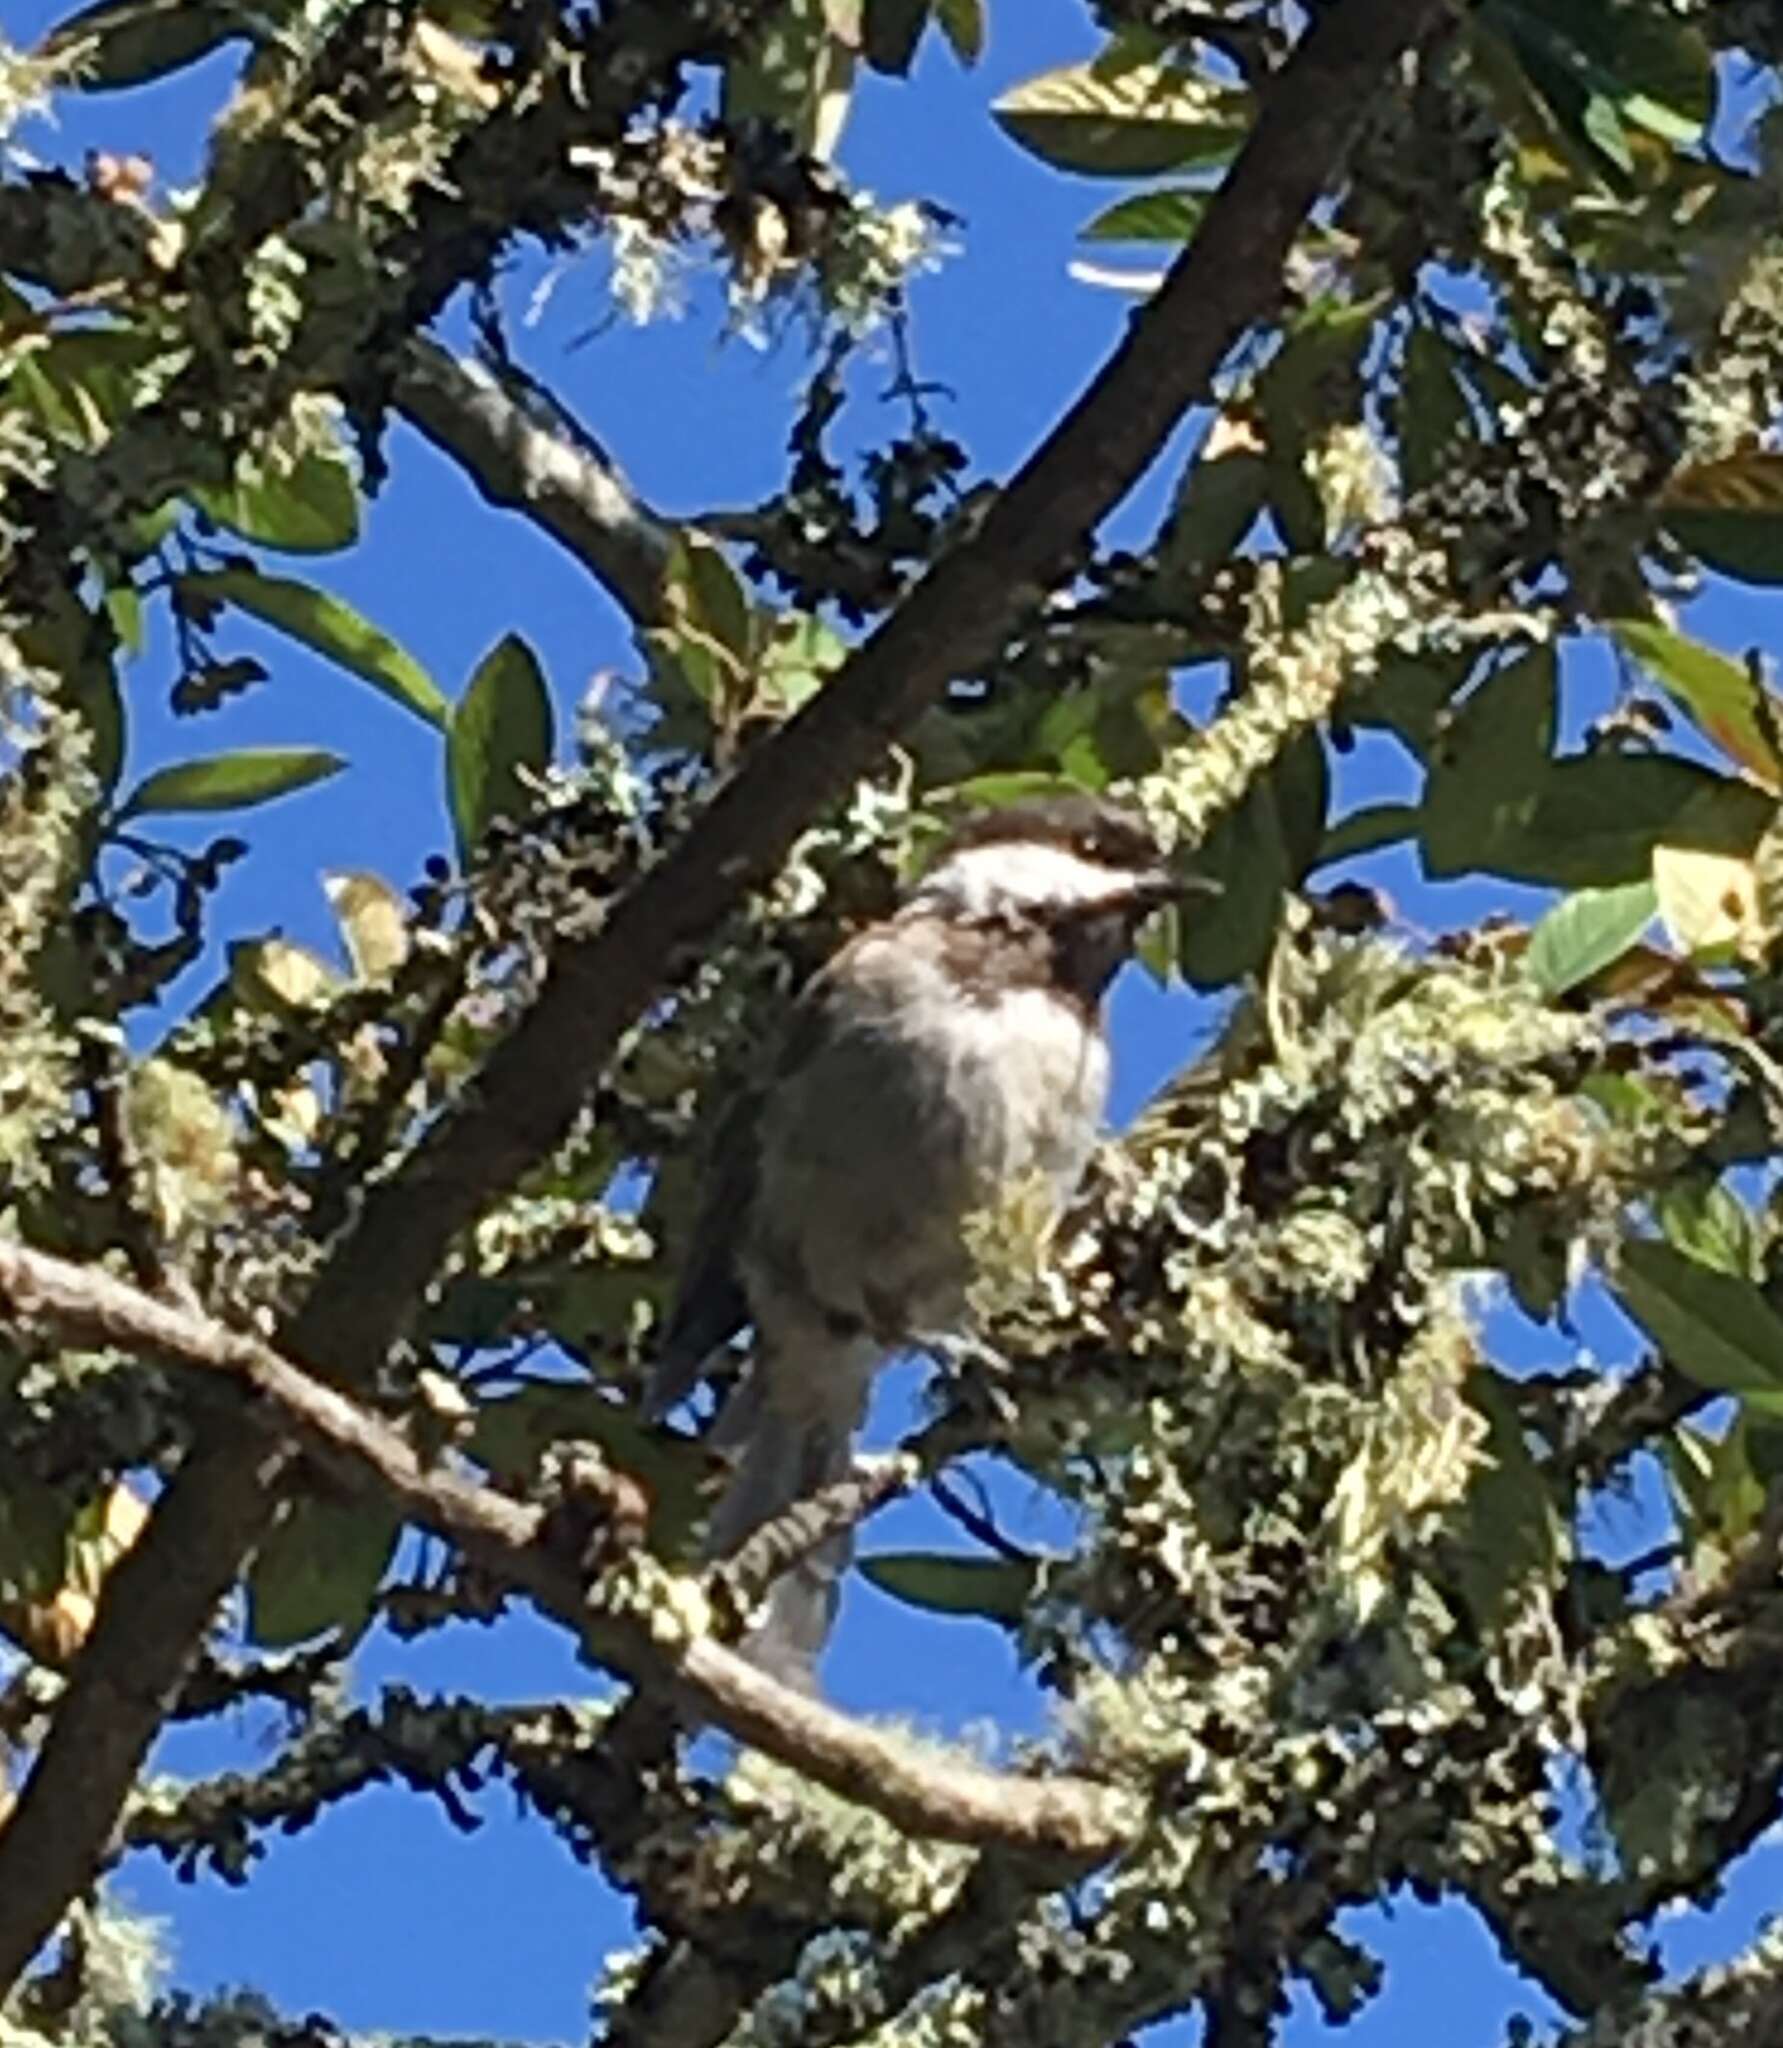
1463 324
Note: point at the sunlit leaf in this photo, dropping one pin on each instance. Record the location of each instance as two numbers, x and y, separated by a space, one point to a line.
1144 119
1729 513
995 1588
795 71
279 974
1721 695
328 626
373 919
1709 1223
255 775
310 509
1716 1328
1171 214
502 729
1709 901
1583 935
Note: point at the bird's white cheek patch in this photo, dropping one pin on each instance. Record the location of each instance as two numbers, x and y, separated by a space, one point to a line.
979 878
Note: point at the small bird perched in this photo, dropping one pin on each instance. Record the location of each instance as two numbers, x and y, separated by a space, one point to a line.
938 1058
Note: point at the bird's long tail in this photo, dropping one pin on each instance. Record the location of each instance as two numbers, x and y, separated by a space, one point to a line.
783 1457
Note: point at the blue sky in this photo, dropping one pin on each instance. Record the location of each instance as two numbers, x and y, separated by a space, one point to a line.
382 1916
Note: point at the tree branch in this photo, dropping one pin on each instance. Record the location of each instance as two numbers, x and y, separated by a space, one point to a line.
1070 1821
521 459
159 1600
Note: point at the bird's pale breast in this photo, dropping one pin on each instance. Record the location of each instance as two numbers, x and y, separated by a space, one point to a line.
914 1107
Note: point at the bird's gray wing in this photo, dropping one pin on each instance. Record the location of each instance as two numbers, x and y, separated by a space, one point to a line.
710 1306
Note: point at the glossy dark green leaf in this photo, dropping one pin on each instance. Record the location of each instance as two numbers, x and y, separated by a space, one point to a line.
1729 514
502 729
1171 214
1716 1328
328 626
1506 1529
1583 935
995 1588
311 509
320 1570
1217 503
1599 817
1431 412
229 782
1720 695
1488 764
1258 851
890 32
962 22
511 1434
1367 830
133 41
1144 119
794 71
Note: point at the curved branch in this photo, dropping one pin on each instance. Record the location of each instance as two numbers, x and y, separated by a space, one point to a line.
519 457
1066 1820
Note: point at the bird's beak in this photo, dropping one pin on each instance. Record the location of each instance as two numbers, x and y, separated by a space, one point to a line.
1160 886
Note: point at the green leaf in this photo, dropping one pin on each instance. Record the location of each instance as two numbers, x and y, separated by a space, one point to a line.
1149 117
328 626
1710 1224
1314 377
801 654
1488 764
1432 413
1722 696
86 379
137 40
78 646
962 22
310 509
1257 852
231 782
1599 817
510 1435
1716 1328
997 1588
320 1570
890 32
1170 214
502 725
796 72
1729 514
1583 935
1217 502
1367 830
1506 1529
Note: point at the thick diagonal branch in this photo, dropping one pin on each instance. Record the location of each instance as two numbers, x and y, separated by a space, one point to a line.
158 1603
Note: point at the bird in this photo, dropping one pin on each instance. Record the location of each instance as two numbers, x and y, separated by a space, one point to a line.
942 1056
